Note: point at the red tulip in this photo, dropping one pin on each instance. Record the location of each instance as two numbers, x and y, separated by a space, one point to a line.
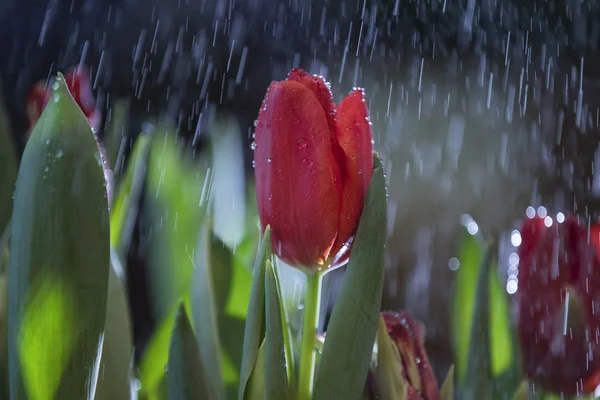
559 304
409 335
79 84
313 165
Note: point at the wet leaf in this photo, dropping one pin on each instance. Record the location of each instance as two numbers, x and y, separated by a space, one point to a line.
276 382
390 381
348 347
59 257
187 377
255 321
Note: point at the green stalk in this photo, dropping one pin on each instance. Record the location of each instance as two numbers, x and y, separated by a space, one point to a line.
312 299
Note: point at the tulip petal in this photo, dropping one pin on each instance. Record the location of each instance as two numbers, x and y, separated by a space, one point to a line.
294 174
322 91
354 136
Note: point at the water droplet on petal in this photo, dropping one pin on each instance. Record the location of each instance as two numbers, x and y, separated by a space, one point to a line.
302 144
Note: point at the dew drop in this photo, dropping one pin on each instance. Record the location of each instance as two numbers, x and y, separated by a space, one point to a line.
302 144
55 85
269 160
253 145
56 97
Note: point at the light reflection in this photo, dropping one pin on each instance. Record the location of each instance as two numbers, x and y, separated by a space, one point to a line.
542 212
530 212
511 287
513 260
560 218
453 264
515 238
548 222
472 227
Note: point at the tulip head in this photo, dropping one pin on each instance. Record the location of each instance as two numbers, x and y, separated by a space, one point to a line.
312 164
79 85
559 303
408 336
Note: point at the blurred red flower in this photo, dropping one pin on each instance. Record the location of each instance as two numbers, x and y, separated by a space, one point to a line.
559 304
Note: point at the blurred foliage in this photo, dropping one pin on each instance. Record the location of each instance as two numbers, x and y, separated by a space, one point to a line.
485 342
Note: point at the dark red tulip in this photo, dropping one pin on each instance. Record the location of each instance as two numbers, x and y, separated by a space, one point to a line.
313 165
559 304
409 336
80 86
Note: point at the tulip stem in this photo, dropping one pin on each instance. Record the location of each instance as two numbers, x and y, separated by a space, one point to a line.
312 300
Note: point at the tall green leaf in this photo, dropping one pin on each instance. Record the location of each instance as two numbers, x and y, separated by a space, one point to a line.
124 210
478 379
255 320
276 381
114 380
504 345
59 258
156 356
353 325
470 258
204 308
391 383
176 208
187 377
485 343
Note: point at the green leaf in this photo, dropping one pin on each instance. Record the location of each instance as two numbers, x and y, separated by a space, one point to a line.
204 308
50 317
447 389
353 325
470 258
287 336
8 167
478 380
503 341
156 356
114 381
187 377
176 207
59 257
255 389
254 329
276 382
124 209
390 380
